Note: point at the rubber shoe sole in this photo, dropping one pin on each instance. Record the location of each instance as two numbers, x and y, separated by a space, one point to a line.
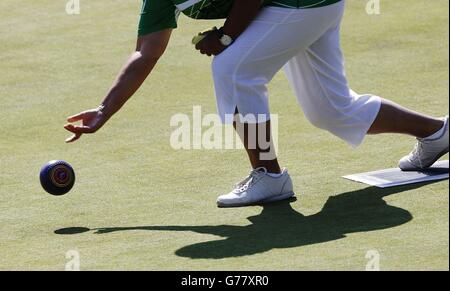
265 201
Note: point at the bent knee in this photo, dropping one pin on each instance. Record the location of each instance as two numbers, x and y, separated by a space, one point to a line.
324 119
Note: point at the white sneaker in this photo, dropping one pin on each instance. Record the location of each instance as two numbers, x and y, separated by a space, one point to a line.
426 152
258 188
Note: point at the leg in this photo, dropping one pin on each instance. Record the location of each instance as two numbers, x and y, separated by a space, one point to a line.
393 118
241 74
250 138
318 78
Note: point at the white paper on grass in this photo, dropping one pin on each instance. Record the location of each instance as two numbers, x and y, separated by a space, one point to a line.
396 177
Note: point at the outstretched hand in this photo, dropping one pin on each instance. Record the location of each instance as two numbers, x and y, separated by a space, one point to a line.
91 121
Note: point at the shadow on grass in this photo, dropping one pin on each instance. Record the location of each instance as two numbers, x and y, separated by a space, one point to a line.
280 226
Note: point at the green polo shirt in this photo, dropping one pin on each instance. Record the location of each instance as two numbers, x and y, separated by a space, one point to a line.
157 15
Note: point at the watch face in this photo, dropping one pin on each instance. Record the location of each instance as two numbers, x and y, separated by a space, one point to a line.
226 40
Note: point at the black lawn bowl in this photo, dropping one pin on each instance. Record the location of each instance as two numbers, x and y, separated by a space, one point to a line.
57 177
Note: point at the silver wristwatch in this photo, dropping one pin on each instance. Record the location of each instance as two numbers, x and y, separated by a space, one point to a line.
226 40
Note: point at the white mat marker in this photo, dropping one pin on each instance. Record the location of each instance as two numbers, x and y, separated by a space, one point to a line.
396 177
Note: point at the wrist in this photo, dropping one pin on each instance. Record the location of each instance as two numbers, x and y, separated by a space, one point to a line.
225 30
103 110
225 39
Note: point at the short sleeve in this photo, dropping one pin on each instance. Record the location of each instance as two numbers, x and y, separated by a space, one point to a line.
157 15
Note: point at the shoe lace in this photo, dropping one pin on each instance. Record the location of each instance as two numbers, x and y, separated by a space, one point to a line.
418 151
249 181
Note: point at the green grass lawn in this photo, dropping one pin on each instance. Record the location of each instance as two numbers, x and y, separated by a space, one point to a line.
150 207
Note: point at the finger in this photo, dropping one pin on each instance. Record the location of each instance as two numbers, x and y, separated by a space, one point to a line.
69 127
200 46
73 138
78 128
77 117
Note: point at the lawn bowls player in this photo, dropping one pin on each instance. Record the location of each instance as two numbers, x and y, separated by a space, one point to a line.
258 39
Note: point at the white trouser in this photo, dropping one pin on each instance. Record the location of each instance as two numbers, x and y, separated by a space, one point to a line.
306 43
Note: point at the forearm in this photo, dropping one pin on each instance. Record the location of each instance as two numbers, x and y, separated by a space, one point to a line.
149 49
130 79
140 64
241 15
